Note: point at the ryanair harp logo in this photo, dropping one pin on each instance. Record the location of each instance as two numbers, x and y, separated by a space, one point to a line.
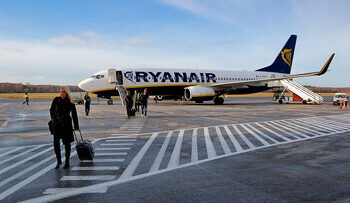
128 75
287 56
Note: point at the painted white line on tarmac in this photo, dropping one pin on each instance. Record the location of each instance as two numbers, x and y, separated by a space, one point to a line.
209 144
222 141
273 125
18 155
54 191
194 152
255 135
36 175
117 144
122 140
4 124
123 134
102 177
97 160
299 126
302 135
111 154
95 168
235 143
129 171
326 125
160 155
23 161
286 139
122 137
118 148
249 144
26 170
70 193
261 133
11 151
175 156
309 124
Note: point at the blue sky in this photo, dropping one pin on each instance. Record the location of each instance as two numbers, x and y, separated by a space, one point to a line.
64 42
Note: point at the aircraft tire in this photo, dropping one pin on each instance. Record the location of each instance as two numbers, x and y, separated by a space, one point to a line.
218 100
110 102
280 101
199 101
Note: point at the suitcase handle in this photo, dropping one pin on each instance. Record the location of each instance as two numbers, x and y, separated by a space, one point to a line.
75 135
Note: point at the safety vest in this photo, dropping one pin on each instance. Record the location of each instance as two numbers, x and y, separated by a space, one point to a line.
26 96
138 96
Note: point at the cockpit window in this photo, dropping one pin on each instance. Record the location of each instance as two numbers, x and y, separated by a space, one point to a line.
98 76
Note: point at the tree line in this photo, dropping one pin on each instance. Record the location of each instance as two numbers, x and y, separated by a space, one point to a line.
21 88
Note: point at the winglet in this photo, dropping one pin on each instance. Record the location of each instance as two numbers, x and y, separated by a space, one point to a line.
326 65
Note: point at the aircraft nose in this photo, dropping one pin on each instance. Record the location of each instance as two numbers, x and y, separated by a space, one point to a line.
84 85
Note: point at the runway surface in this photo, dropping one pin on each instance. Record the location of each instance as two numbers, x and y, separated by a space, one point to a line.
249 149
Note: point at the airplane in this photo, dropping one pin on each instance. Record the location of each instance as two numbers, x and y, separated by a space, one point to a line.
197 85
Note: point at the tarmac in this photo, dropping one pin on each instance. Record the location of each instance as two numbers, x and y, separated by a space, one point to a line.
247 150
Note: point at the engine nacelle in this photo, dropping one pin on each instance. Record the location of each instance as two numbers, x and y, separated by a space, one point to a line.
199 93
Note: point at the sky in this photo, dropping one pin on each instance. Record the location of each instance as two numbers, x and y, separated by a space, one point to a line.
62 42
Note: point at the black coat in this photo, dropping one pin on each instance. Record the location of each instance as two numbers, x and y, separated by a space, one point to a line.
129 102
62 121
144 98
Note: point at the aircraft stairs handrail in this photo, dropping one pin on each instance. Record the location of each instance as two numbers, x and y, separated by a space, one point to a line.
306 89
305 93
122 93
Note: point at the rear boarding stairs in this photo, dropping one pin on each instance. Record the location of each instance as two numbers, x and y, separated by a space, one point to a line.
300 92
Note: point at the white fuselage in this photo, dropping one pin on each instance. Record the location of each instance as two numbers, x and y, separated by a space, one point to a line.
167 79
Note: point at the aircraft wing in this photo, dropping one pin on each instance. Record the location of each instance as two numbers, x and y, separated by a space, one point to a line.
239 84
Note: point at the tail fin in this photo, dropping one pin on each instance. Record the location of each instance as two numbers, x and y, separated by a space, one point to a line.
283 62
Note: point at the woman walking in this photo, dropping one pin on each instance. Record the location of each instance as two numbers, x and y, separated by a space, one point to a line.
60 111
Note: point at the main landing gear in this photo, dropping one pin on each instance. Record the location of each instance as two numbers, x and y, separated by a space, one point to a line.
218 100
110 102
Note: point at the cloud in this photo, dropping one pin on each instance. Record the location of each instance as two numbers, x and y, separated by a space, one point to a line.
68 40
136 41
89 34
11 48
223 10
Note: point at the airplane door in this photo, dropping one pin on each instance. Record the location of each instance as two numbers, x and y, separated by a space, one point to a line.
112 76
119 75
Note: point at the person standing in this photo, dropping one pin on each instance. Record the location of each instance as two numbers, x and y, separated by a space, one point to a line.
144 101
128 103
87 101
61 110
136 101
26 97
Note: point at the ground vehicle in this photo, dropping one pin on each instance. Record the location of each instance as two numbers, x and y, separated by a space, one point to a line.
77 97
281 98
339 97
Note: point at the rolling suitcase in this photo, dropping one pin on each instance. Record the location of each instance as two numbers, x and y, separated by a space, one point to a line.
84 148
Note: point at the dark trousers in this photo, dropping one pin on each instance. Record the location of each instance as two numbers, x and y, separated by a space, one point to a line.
87 109
137 106
27 101
56 146
144 109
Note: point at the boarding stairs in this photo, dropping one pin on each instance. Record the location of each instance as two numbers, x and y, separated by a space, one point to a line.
304 93
122 93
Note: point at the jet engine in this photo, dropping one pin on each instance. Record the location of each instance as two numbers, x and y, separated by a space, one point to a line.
199 93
